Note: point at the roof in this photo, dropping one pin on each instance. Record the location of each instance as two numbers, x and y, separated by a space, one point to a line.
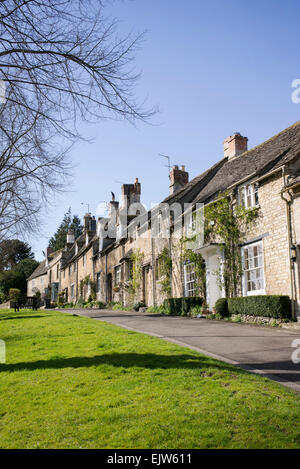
71 255
258 161
39 271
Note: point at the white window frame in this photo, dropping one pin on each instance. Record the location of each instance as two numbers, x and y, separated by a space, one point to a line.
98 282
118 274
260 291
189 279
248 195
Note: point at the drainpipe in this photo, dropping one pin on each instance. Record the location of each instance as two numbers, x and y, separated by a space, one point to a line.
153 270
170 251
290 240
106 280
76 281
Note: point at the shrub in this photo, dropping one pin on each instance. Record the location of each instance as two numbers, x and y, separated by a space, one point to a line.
270 306
139 305
14 294
156 309
3 297
182 306
195 311
80 302
221 307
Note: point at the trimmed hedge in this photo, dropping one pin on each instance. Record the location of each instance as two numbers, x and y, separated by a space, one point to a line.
221 307
270 306
182 306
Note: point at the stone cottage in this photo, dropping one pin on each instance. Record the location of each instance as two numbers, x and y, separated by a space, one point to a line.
266 178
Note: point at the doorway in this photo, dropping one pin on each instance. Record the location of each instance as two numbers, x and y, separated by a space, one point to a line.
109 288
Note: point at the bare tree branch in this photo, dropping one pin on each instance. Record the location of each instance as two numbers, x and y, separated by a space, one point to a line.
62 61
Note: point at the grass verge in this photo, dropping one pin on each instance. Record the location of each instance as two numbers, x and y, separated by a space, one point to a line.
73 382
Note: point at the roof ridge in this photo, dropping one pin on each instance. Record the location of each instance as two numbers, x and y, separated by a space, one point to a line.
269 139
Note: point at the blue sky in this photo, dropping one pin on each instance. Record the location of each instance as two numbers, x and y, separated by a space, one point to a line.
212 67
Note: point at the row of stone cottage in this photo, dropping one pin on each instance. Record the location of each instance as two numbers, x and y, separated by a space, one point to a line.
266 177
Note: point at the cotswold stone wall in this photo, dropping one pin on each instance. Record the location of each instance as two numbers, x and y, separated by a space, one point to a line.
271 225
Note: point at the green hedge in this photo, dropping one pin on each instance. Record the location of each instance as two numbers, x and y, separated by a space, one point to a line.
270 306
182 306
221 307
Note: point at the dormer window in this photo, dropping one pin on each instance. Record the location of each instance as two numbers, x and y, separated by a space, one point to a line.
248 196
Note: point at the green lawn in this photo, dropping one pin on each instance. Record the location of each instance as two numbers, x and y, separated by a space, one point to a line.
73 382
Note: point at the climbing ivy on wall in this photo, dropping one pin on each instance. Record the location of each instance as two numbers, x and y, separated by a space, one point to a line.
136 273
164 266
189 256
226 223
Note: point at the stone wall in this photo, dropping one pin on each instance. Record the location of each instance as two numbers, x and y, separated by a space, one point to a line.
271 225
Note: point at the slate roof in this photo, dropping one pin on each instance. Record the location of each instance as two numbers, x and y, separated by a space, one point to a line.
40 270
258 161
70 256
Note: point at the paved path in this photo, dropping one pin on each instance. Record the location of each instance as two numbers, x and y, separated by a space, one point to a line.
264 350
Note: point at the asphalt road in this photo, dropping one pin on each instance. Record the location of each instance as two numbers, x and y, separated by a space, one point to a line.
264 350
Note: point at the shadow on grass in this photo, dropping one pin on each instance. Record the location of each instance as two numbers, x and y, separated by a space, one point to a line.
9 318
124 360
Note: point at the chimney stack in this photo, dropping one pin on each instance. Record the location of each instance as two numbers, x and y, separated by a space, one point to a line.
235 145
89 223
70 237
86 221
49 251
178 178
131 193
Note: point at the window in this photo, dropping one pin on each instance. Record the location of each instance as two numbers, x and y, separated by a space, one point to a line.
75 267
189 280
128 270
72 291
83 260
32 283
98 284
118 275
70 270
253 268
57 271
190 223
248 196
159 223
